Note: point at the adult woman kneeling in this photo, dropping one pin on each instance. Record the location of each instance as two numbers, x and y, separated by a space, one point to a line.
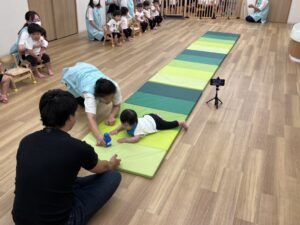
93 21
261 11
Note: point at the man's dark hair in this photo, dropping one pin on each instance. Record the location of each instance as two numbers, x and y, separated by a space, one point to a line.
146 3
104 88
116 13
56 106
124 11
35 28
129 116
139 5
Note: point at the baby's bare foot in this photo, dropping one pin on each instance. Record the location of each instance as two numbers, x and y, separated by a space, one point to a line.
184 125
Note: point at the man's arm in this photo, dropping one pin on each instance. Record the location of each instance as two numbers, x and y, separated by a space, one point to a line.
92 122
113 114
104 165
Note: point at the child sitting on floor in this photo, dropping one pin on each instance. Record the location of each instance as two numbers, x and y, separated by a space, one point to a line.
155 12
114 27
35 46
139 127
4 82
140 17
147 13
124 23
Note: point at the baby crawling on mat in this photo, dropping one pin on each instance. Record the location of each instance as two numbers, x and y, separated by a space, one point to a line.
139 127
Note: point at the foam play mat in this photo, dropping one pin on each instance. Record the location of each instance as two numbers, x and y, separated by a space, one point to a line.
172 93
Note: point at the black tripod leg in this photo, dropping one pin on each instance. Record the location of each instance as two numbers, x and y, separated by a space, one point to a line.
210 100
217 103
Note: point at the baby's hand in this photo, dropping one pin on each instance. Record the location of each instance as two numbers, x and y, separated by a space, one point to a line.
120 140
113 132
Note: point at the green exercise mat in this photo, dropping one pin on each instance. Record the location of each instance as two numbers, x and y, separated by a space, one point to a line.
172 93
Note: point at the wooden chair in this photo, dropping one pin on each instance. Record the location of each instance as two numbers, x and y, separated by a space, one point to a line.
136 27
26 64
11 68
108 37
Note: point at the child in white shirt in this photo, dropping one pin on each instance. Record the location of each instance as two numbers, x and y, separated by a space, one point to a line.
114 27
35 46
147 13
125 20
155 12
140 17
140 127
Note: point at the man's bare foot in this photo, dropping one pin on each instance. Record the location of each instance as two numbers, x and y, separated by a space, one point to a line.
184 125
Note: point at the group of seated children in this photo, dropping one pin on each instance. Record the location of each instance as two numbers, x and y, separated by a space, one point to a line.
146 15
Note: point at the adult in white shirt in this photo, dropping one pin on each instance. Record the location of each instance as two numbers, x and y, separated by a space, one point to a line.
90 86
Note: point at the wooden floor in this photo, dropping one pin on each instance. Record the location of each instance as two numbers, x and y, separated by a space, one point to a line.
239 165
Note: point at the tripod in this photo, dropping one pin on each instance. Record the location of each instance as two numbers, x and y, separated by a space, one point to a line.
217 100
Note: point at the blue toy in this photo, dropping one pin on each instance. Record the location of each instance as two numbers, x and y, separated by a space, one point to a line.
107 139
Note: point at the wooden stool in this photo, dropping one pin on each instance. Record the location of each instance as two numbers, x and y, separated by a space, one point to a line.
108 37
136 28
25 63
11 68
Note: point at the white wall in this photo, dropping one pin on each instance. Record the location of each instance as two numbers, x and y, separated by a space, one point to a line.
81 11
11 20
294 16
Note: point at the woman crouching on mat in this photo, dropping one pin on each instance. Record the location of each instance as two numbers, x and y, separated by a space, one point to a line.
139 127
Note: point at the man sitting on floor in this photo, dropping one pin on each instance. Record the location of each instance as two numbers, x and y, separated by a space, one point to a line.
48 190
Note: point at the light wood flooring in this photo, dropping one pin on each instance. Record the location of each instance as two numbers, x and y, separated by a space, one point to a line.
239 165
